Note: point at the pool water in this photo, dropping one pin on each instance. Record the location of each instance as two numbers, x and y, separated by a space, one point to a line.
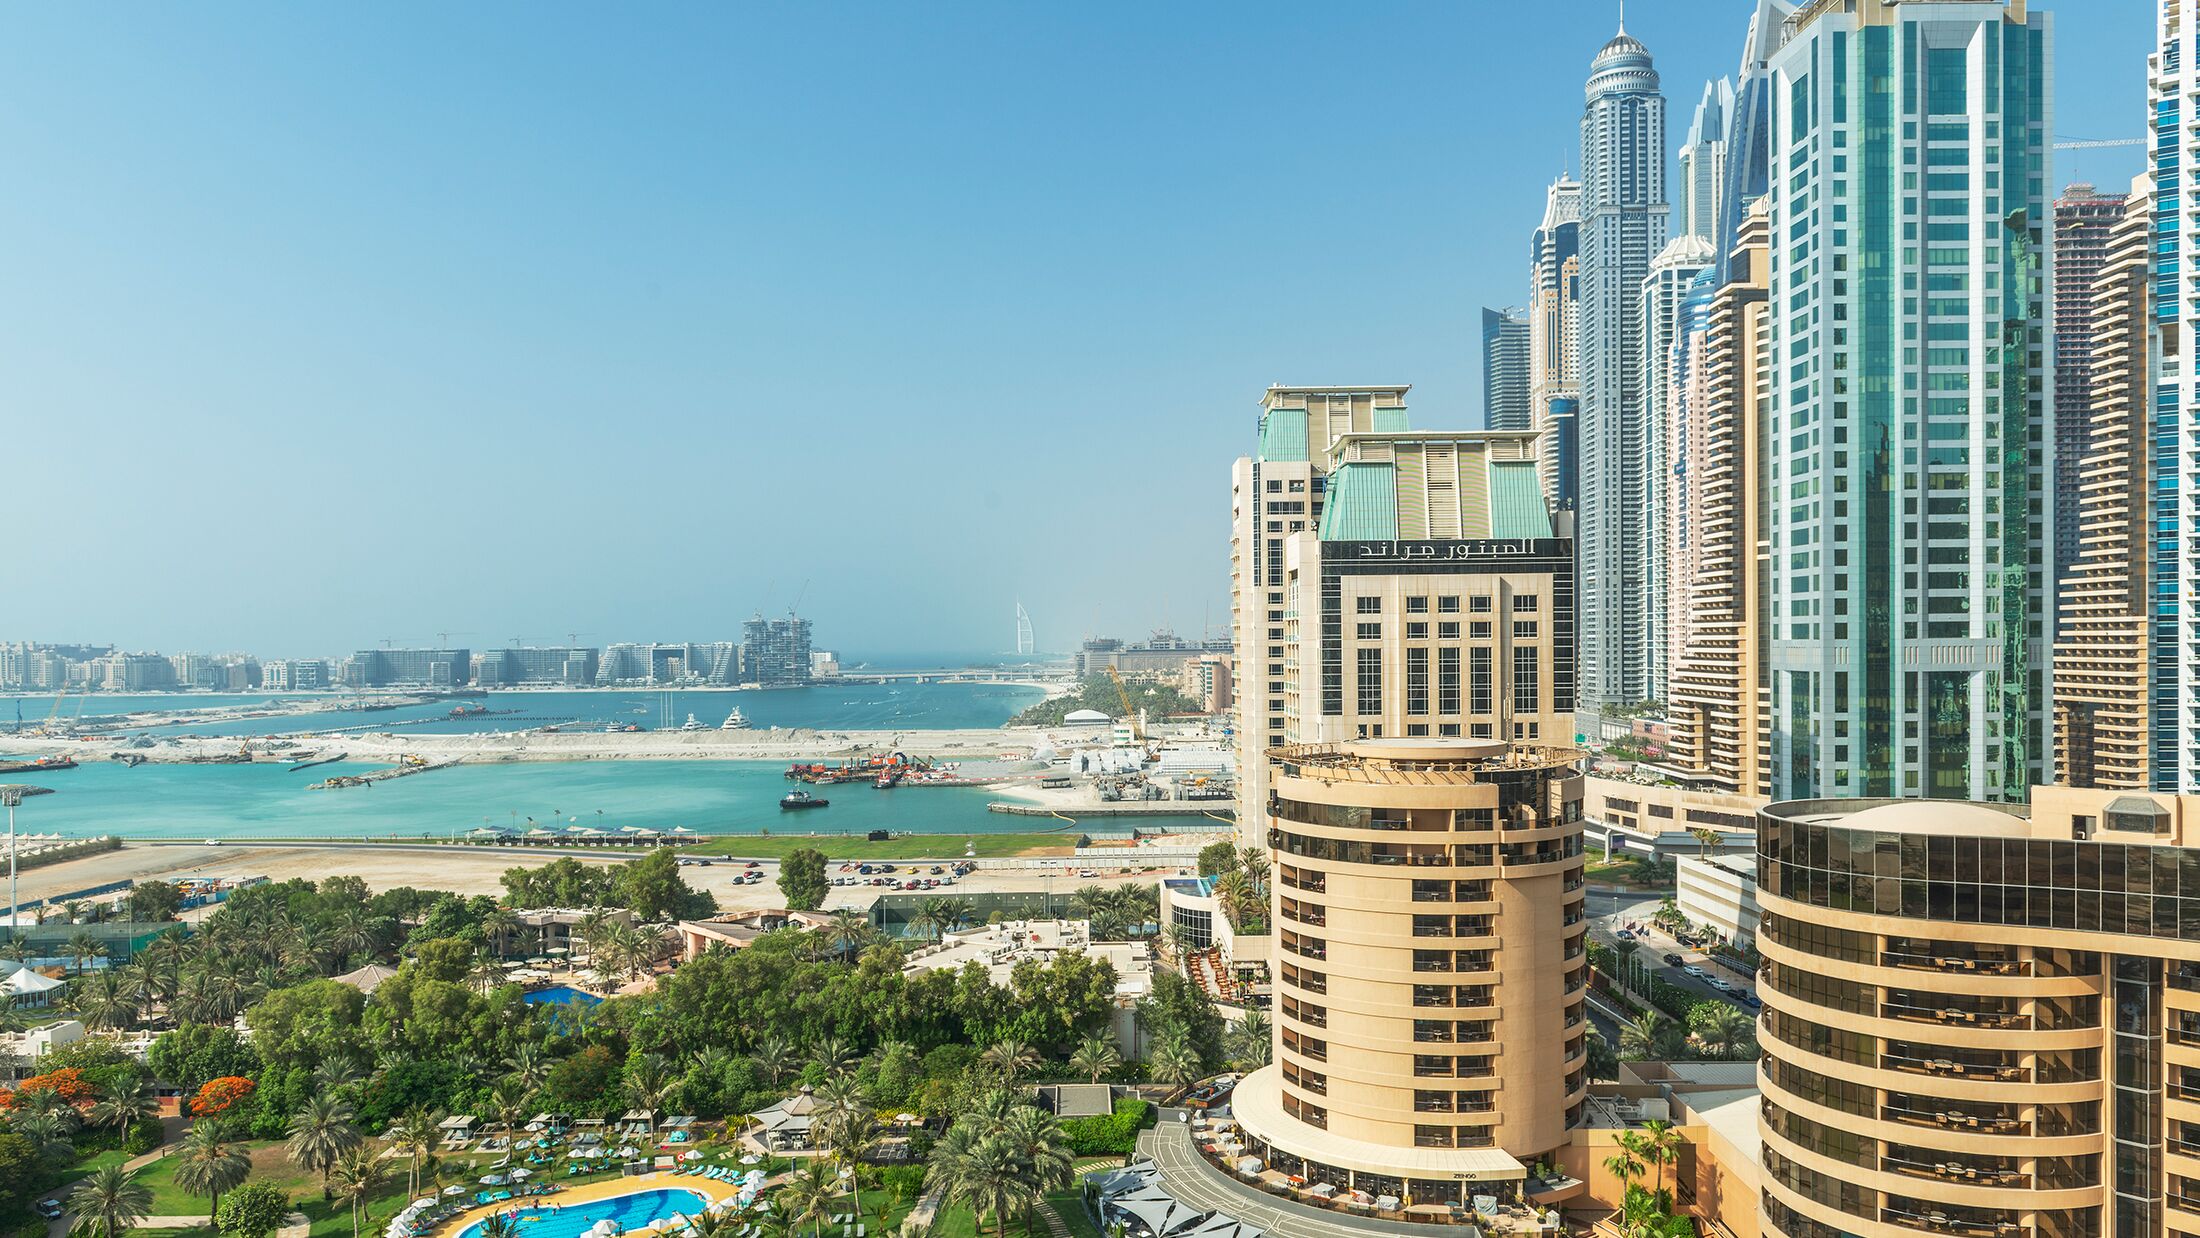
563 995
642 1208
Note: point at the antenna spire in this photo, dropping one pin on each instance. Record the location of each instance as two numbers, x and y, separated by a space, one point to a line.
1623 16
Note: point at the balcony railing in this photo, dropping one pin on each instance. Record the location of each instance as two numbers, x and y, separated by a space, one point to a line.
1955 1120
1950 963
1955 1016
1957 1172
1956 1070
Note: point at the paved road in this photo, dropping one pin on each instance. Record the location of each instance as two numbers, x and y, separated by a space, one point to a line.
1192 1180
1609 909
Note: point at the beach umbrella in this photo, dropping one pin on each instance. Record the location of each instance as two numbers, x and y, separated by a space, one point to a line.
429 1202
521 1175
454 1190
492 1179
750 1159
691 1155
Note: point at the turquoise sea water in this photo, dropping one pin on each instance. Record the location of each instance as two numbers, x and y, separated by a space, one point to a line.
264 800
864 707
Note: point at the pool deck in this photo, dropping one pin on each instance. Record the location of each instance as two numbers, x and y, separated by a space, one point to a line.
610 1188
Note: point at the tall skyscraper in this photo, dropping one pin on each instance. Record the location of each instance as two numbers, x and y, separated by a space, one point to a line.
1554 332
2083 218
1703 163
2101 662
2173 442
1717 725
1624 222
1910 505
1673 276
1505 370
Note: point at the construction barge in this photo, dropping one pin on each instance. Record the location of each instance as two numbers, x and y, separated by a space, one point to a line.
407 765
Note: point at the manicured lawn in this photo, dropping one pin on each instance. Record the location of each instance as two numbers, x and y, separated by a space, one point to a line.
1617 872
907 847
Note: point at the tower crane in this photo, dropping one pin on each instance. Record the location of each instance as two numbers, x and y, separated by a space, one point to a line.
1130 711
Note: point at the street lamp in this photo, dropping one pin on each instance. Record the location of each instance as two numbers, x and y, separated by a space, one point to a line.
11 795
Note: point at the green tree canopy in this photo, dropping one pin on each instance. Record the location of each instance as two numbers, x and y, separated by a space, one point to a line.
802 879
254 1210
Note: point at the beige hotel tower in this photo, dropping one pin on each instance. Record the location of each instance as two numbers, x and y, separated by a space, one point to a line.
1405 643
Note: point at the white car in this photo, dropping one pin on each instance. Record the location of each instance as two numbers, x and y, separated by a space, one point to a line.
1693 970
1719 983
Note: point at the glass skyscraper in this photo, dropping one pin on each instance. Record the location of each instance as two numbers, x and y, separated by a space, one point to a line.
1910 508
1624 221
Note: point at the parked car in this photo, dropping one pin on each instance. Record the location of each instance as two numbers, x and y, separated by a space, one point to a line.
1673 960
1625 935
1720 983
1693 970
49 1208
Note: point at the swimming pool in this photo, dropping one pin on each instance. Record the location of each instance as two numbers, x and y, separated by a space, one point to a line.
642 1208
562 995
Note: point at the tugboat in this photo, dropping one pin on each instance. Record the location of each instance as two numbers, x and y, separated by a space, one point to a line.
800 799
467 711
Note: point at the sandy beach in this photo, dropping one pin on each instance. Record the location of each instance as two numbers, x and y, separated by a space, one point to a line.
478 870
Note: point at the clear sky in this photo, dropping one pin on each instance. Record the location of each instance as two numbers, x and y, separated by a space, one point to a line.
321 324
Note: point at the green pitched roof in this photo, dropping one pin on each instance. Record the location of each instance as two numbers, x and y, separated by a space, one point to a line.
1516 500
1283 434
1362 505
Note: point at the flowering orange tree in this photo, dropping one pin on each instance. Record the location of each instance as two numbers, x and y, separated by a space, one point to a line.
218 1095
67 1084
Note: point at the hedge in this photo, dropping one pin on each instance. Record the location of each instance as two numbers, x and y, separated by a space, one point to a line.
1113 1135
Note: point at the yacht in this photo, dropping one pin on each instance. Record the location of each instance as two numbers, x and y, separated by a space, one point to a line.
735 721
692 725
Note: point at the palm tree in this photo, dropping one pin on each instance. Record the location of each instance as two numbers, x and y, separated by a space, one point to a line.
957 912
930 917
834 1054
414 1136
208 1164
1723 1030
321 1133
774 1056
508 1104
498 1225
109 1203
809 1193
1013 1058
339 1073
125 1104
1042 1149
1234 892
1661 1146
47 1132
983 1170
1248 1042
1625 1163
359 1176
104 1000
1095 1056
647 1082
498 926
841 1124
845 933
530 1064
1173 1061
1652 1036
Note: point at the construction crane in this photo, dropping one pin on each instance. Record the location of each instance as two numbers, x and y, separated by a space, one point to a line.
2095 143
1130 711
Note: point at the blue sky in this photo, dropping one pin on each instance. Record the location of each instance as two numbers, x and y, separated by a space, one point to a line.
325 324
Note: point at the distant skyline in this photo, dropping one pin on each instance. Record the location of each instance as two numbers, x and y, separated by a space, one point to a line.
330 325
